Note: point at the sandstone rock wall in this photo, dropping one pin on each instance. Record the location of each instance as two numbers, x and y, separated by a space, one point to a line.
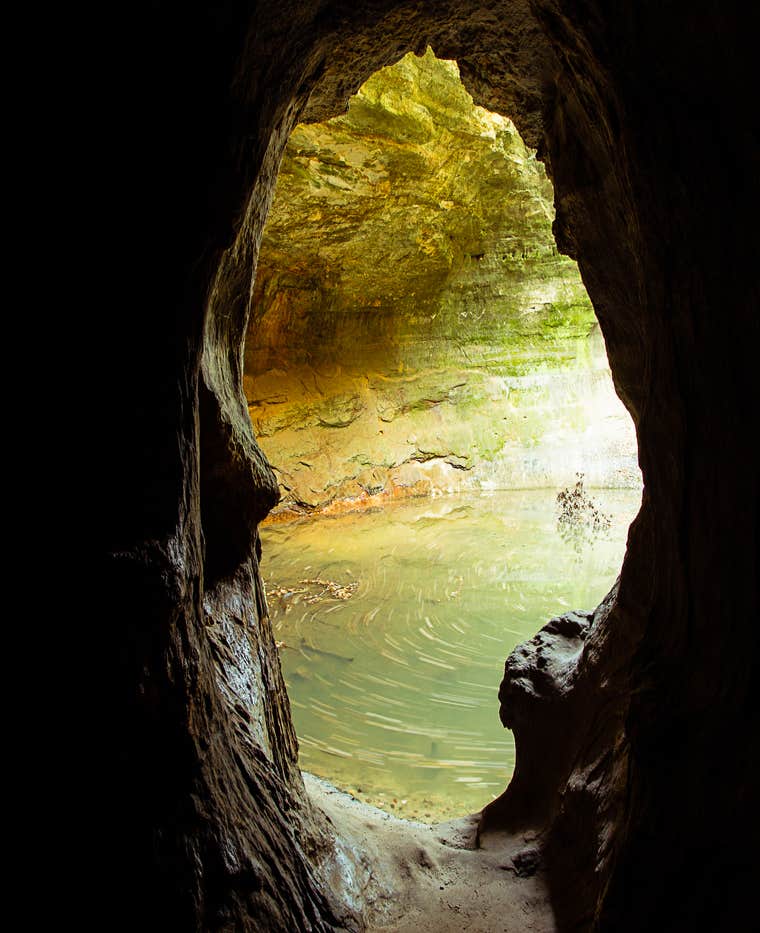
413 328
647 119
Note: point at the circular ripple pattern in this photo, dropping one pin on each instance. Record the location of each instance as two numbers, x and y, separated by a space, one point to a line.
393 669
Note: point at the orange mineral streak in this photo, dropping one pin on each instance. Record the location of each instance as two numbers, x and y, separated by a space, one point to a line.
363 502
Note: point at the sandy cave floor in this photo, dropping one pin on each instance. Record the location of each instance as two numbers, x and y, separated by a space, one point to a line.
407 876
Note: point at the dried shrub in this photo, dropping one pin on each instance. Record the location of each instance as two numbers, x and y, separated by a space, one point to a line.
579 518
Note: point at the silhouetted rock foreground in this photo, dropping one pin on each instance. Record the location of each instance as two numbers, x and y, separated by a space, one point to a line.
646 119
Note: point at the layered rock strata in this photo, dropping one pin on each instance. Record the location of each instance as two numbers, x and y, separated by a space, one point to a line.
645 116
413 328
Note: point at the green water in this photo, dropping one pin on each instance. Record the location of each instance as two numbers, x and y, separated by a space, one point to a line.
393 673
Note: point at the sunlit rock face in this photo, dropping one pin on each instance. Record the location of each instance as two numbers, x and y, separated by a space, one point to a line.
414 329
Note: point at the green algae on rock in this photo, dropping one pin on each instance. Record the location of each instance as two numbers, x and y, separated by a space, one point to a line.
414 329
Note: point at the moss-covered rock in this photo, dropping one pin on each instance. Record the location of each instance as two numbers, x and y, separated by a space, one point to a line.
414 328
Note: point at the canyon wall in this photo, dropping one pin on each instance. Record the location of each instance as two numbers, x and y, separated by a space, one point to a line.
645 117
413 328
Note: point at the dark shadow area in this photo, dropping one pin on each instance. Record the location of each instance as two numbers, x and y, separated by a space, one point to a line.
645 825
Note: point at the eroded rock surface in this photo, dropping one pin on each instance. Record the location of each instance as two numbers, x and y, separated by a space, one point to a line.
413 328
646 116
537 703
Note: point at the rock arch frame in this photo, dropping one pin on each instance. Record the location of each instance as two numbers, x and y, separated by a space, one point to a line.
215 829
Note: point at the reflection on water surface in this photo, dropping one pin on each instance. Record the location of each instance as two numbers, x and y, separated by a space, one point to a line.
394 626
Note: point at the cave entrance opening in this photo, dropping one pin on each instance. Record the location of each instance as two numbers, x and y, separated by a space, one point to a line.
425 372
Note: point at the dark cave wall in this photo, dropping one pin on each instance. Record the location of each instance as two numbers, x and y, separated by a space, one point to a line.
207 826
647 123
687 684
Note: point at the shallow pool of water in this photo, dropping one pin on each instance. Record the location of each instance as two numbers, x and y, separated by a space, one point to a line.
394 626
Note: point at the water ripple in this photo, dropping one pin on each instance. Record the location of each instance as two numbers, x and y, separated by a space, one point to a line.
394 690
